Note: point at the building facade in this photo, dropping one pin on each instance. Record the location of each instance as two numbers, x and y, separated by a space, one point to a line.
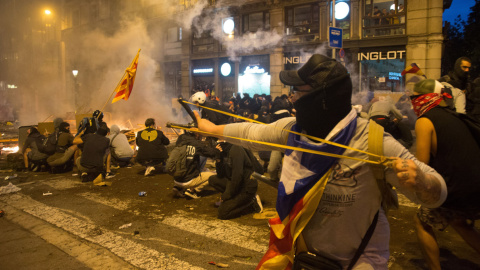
229 48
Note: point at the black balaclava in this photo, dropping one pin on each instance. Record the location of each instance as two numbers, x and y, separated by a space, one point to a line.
330 100
462 75
63 127
320 111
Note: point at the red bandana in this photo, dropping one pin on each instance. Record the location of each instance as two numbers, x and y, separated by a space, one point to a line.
424 103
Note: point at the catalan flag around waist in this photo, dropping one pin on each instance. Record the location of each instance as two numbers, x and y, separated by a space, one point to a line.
125 86
303 180
413 68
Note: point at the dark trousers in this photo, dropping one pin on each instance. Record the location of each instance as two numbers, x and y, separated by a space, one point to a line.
240 204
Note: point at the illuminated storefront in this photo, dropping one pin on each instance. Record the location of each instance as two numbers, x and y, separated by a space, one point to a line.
254 75
380 68
203 75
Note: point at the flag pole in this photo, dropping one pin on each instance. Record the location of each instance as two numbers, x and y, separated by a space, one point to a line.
121 80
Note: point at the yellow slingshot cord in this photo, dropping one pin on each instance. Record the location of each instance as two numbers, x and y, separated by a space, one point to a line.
383 160
290 131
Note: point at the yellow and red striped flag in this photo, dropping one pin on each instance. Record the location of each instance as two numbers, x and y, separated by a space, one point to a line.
413 68
124 88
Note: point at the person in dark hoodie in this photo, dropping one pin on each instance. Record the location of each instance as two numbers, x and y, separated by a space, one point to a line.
95 146
239 191
193 181
459 78
151 146
31 155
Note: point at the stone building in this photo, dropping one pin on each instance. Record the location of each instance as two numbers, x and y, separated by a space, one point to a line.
231 47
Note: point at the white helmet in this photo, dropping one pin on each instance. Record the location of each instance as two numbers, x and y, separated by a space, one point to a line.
199 97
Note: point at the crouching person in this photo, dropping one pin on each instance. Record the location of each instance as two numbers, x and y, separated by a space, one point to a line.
184 165
62 160
95 145
32 156
234 169
120 150
151 146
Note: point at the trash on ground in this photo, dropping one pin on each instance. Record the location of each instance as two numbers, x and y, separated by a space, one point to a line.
125 226
136 232
74 174
11 177
212 263
222 265
2 213
142 193
10 188
47 193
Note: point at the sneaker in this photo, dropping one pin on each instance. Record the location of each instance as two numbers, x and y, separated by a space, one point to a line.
114 167
257 204
85 177
109 175
192 194
149 170
178 192
35 168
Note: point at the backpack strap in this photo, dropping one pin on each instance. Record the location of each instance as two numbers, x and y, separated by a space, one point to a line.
111 141
375 146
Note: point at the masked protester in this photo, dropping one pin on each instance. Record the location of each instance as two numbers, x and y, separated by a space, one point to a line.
331 222
459 78
446 143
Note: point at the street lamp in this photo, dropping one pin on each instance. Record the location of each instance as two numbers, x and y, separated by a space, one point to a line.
75 94
48 12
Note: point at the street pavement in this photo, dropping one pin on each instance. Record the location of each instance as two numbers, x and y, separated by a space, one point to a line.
82 226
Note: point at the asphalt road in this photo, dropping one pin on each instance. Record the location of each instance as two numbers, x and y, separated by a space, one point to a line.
82 226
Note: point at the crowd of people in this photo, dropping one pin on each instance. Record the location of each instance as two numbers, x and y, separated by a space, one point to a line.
330 208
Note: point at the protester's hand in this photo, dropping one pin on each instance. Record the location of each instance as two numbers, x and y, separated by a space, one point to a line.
407 172
427 187
209 127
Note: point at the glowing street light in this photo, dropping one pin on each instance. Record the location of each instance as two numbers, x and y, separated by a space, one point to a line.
48 12
75 73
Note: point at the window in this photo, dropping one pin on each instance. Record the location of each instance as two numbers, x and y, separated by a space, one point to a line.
256 21
383 18
302 23
174 34
202 41
342 16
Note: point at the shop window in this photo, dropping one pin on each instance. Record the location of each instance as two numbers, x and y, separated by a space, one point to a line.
256 21
342 16
383 18
382 75
302 23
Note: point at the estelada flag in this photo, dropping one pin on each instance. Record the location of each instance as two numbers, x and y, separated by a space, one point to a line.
413 68
124 88
304 176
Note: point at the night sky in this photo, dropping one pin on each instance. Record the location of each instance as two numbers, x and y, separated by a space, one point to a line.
458 7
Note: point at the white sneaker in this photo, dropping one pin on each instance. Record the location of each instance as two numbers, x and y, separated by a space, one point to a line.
191 193
149 170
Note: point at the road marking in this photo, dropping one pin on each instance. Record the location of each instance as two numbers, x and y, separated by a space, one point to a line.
222 230
124 248
112 202
83 251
